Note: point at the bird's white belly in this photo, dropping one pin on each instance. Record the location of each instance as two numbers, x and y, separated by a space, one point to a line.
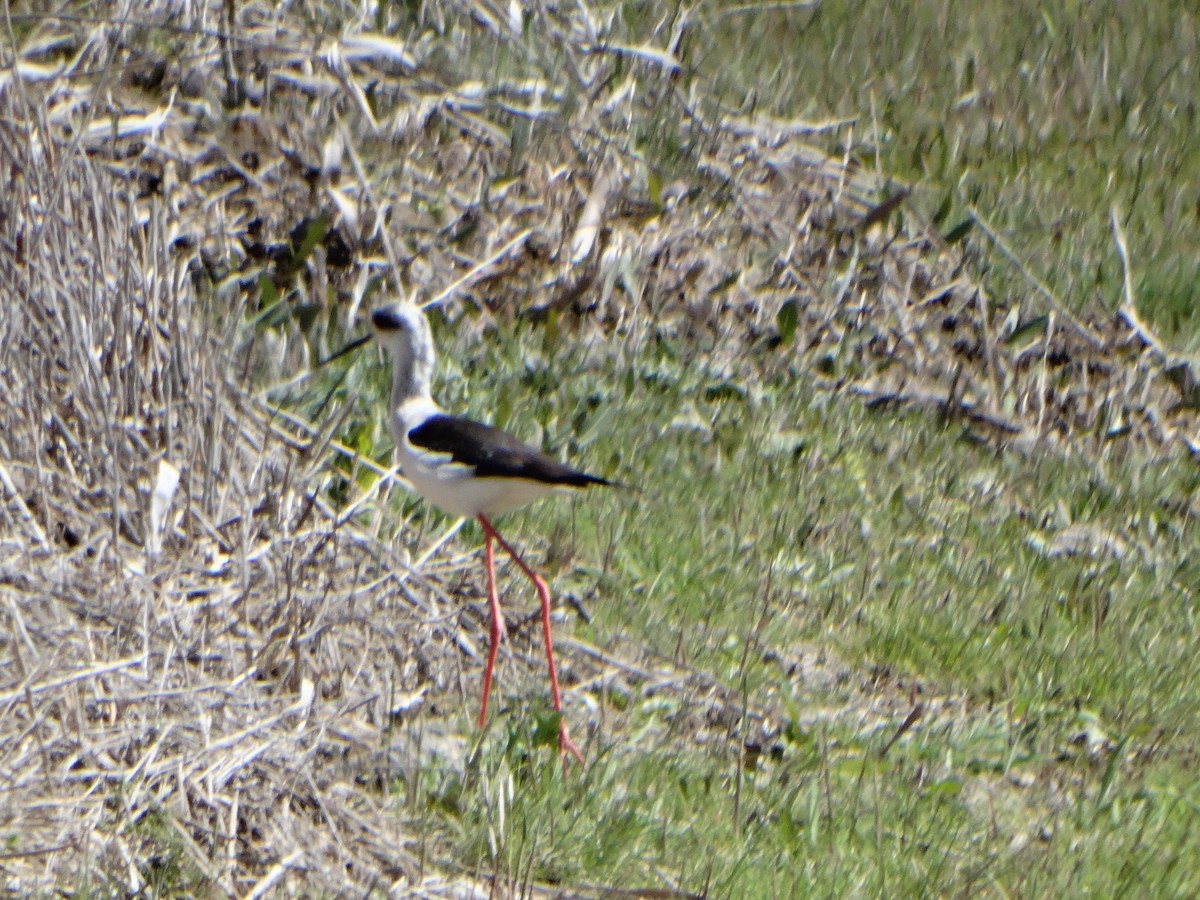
455 488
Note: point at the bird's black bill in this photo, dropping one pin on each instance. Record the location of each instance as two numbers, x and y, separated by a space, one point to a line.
353 345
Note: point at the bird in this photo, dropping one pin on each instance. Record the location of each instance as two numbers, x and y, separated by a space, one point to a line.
470 469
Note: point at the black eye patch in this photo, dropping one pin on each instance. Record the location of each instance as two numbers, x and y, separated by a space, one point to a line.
388 319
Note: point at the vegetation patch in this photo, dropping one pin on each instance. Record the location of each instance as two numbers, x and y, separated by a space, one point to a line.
936 639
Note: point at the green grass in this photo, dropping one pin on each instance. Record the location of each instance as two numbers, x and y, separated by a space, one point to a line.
1055 752
1042 117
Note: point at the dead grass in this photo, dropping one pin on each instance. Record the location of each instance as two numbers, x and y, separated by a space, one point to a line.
226 680
237 661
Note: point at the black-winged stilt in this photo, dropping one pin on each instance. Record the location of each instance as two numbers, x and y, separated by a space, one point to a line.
467 468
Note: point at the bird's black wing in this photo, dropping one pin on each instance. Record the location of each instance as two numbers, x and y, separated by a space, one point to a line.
494 453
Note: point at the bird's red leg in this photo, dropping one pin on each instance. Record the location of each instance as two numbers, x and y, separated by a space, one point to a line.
496 630
565 744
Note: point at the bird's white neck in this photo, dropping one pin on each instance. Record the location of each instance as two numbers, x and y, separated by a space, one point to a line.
412 365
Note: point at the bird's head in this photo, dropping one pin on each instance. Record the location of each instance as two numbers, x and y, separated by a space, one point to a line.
402 328
397 321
